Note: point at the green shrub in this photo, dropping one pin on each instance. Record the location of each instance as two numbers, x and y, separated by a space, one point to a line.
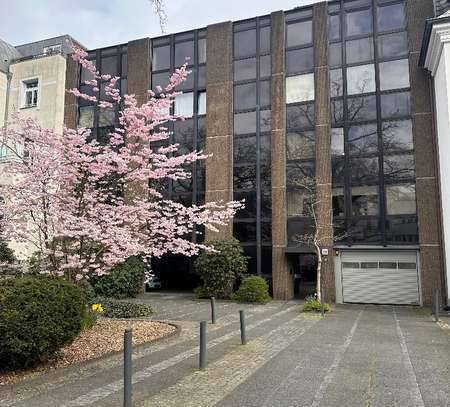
89 319
253 289
221 270
121 309
88 290
313 305
38 315
6 254
200 292
123 281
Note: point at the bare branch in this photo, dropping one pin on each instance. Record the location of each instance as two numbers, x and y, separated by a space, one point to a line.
159 9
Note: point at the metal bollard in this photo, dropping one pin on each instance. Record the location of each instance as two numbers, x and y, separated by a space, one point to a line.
213 310
243 330
202 359
437 306
322 300
127 367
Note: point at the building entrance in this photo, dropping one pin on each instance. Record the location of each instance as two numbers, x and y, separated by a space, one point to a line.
305 274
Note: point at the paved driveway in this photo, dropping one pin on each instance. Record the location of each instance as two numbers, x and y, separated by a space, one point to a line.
356 356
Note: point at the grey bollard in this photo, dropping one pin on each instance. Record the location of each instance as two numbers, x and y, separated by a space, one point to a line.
322 300
127 367
437 306
202 358
213 310
243 330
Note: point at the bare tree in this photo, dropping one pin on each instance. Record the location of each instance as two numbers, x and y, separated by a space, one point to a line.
159 9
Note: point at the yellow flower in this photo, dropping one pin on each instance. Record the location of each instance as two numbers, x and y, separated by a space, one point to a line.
97 308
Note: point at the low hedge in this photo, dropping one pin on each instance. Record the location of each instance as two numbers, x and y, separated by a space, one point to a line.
38 315
123 281
253 289
113 308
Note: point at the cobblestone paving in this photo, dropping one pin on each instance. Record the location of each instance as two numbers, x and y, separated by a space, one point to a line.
356 356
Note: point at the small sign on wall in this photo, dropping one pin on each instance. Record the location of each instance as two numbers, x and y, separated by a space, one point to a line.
324 252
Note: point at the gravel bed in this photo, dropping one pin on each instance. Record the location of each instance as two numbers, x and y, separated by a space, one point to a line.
105 337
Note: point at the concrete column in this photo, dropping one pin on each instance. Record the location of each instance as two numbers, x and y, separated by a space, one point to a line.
283 279
323 145
219 119
427 190
70 101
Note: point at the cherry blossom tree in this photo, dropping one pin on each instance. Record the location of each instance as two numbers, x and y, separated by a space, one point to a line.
87 205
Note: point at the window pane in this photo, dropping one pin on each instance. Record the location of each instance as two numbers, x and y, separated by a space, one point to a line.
395 105
360 79
106 117
85 74
398 168
394 74
184 50
202 51
393 45
391 17
250 204
298 227
296 172
401 199
397 135
336 84
264 147
201 72
245 96
265 120
338 202
359 50
244 149
337 111
364 170
244 177
337 170
183 133
264 40
244 232
109 66
266 204
402 231
300 60
188 84
362 108
245 69
363 139
337 141
365 201
184 104
202 103
301 116
298 203
364 231
359 22
335 54
245 123
124 65
86 118
244 43
264 93
298 33
265 68
334 27
299 88
300 145
161 58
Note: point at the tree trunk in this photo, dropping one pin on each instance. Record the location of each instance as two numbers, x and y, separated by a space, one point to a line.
319 273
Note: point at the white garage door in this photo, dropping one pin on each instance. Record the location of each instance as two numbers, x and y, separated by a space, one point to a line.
380 277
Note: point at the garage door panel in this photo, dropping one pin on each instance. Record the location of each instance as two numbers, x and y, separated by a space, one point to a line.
365 280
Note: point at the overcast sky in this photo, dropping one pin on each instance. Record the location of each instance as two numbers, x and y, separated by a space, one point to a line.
99 23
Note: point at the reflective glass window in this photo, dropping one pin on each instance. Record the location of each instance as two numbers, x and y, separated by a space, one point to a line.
300 145
201 103
298 202
336 83
184 53
244 177
299 33
265 68
391 17
245 123
359 22
360 79
393 45
264 40
106 117
335 54
184 104
161 58
397 135
86 117
300 116
245 96
338 202
245 69
244 43
395 105
265 120
299 88
394 74
363 139
359 50
202 51
365 201
398 167
264 93
299 60
401 199
337 141
362 108
364 170
244 149
334 27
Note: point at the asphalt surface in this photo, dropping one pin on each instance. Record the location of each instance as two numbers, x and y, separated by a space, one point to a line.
356 356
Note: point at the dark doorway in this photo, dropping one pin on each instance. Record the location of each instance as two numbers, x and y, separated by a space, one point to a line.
176 273
305 274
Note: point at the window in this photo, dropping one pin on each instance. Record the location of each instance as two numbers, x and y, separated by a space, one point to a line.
264 93
184 104
359 50
245 177
106 117
299 88
364 170
297 171
265 66
30 92
52 49
299 33
335 54
244 150
299 60
365 201
245 96
265 120
3 152
397 135
109 66
245 69
338 202
300 116
359 22
360 79
298 203
201 108
394 74
300 145
245 123
395 105
264 40
161 58
391 17
401 199
244 43
337 141
334 27
184 53
363 139
336 83
393 45
202 51
86 117
398 168
362 108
